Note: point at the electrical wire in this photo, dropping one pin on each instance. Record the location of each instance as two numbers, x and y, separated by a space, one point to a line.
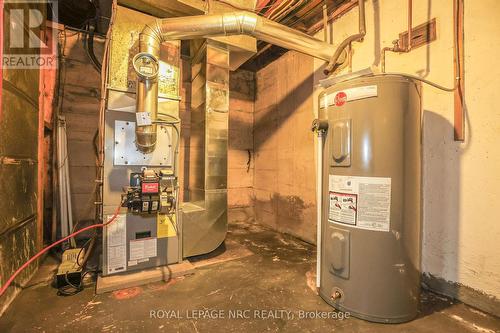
41 252
178 134
418 78
409 76
70 289
174 121
89 48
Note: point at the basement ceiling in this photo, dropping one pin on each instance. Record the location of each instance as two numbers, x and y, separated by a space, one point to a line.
303 15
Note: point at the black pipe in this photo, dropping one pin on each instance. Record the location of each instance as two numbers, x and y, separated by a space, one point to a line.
90 49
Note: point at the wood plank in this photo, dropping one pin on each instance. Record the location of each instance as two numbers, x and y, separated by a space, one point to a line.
164 273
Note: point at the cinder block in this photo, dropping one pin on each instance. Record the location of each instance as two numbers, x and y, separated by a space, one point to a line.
240 104
239 119
303 120
266 218
266 180
237 214
238 159
241 139
242 83
266 159
240 197
286 171
238 178
266 93
265 135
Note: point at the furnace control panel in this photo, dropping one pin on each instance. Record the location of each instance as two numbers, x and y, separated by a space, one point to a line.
151 191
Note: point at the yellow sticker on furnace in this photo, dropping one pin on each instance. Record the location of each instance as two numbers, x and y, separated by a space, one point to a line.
166 226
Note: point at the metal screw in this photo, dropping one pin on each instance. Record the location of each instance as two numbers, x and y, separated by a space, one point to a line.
336 295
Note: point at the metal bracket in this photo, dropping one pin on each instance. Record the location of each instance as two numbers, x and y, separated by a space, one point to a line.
126 152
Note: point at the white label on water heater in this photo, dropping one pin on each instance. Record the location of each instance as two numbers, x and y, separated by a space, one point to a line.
360 202
116 241
340 97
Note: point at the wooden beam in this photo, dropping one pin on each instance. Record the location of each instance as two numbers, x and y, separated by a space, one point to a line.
170 8
1 57
458 47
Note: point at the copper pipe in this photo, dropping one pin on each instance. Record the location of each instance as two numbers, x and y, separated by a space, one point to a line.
205 26
397 47
357 37
410 26
339 11
382 56
325 22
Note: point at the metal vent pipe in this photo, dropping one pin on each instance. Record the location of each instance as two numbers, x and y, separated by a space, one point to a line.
205 26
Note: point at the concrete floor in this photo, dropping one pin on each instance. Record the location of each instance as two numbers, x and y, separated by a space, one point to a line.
278 276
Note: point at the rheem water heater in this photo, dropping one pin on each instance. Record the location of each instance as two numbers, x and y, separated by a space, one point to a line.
370 242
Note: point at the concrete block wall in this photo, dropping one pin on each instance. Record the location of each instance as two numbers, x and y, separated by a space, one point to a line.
284 176
241 145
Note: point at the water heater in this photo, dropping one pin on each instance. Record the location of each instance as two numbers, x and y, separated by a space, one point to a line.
370 224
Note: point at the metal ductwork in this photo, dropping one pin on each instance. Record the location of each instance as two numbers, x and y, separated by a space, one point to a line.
204 217
205 26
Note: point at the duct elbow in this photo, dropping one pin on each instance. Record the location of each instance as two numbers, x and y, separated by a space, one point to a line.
241 22
150 38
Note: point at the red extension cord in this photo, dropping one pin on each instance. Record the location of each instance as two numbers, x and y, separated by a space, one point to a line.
36 256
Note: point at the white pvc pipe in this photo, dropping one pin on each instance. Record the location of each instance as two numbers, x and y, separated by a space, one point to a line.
66 176
62 183
65 169
319 204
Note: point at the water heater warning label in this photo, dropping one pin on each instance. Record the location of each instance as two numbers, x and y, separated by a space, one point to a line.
343 207
362 202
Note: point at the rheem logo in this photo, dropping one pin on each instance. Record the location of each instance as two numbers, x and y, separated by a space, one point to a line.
340 98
